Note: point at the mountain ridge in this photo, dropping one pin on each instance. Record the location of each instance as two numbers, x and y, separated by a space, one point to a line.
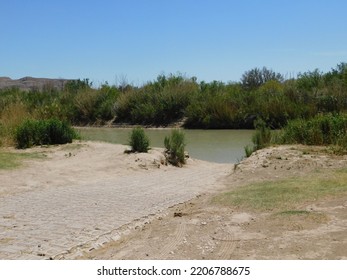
30 83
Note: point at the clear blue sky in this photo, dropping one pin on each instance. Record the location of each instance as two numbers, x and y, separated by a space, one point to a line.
106 40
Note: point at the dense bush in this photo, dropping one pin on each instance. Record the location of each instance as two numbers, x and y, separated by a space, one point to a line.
327 129
139 142
157 103
175 145
43 132
94 106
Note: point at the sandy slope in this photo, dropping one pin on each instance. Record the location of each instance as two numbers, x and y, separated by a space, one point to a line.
77 198
90 200
199 229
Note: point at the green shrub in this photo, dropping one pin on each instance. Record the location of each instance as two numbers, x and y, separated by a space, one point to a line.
175 145
43 132
248 150
262 136
327 129
156 103
139 141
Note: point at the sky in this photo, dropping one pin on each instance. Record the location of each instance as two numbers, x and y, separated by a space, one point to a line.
136 40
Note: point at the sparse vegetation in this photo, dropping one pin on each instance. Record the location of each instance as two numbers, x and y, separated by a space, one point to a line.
139 141
10 160
174 145
286 195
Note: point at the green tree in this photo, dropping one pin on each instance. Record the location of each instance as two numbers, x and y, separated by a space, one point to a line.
255 77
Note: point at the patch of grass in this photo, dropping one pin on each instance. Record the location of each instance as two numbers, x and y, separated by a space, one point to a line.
10 160
289 194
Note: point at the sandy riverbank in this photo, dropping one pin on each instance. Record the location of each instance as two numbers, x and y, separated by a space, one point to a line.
90 200
79 195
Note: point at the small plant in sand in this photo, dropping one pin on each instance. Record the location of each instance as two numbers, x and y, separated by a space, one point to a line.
174 146
139 142
249 150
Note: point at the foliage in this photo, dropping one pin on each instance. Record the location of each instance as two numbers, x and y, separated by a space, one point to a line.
139 141
256 77
175 145
75 86
261 137
43 132
288 194
95 106
324 129
261 93
156 103
12 116
249 150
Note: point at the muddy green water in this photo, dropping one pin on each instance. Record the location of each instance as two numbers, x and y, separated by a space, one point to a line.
223 146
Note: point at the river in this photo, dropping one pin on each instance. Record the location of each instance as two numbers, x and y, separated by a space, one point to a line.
223 146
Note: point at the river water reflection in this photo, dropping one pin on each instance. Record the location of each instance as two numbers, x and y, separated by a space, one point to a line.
223 146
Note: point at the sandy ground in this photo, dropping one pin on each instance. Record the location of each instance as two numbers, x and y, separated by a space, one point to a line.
78 197
89 200
200 229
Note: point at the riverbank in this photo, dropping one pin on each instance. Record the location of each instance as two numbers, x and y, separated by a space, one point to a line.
75 197
221 146
207 228
89 200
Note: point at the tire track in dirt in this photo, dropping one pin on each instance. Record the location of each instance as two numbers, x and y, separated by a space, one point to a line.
174 241
225 245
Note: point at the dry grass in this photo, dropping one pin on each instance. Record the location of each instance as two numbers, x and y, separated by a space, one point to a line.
10 160
287 196
13 115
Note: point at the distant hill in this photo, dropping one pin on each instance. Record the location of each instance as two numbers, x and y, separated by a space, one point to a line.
30 83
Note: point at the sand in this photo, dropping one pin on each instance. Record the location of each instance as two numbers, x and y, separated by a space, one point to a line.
78 197
89 200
